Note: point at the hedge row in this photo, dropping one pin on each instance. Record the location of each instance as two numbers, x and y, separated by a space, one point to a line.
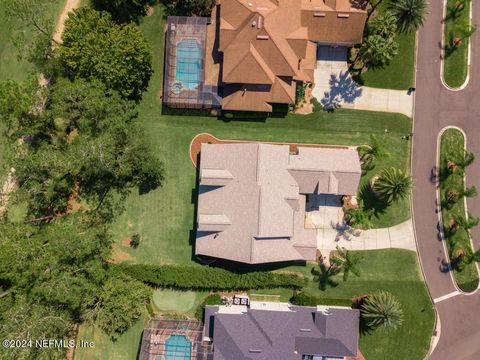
208 278
302 299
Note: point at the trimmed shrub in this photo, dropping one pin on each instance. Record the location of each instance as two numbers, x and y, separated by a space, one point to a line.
207 278
317 107
303 299
212 299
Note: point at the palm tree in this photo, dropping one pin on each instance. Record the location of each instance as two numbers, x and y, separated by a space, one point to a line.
454 10
467 223
392 185
374 151
325 275
381 309
466 30
468 160
410 14
347 261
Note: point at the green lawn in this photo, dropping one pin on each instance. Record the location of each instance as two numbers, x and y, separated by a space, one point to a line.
455 63
11 67
165 217
399 74
178 302
125 348
452 148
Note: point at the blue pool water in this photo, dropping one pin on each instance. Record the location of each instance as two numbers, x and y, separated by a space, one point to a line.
177 347
189 63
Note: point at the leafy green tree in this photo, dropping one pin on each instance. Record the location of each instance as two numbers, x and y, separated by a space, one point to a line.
347 261
37 48
392 185
191 7
377 51
85 142
410 14
381 309
124 10
121 304
384 24
96 48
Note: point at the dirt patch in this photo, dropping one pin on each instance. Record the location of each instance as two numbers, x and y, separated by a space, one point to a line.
119 256
306 107
196 144
126 242
69 6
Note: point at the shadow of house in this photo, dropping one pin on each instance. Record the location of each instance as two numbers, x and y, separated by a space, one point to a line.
343 89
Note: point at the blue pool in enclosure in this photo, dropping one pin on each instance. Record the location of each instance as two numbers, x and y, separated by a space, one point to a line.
189 63
178 347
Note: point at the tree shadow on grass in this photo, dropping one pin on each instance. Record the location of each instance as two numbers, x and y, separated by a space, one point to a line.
370 201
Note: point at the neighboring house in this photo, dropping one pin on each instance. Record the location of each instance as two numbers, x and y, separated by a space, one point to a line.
281 331
251 53
252 198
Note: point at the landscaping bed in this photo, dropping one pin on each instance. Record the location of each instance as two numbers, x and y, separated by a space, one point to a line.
399 74
452 148
455 63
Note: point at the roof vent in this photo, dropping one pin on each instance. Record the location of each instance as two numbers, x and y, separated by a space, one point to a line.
343 16
254 23
254 351
250 4
305 330
263 37
319 14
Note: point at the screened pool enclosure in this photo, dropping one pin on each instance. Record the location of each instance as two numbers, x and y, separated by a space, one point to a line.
184 85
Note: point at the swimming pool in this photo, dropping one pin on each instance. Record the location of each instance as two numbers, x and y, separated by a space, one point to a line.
188 63
178 347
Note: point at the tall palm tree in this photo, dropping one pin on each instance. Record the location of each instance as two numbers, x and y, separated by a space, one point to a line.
410 14
381 309
392 185
347 261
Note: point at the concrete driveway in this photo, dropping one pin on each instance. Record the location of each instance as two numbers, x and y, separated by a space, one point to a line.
335 88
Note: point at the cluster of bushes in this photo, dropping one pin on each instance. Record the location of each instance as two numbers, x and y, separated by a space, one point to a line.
303 299
212 299
208 278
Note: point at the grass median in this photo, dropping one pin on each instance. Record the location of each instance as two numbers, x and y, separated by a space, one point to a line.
452 150
455 64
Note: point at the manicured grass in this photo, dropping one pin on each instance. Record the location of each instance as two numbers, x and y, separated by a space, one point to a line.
179 302
455 62
11 67
125 348
165 217
399 74
452 149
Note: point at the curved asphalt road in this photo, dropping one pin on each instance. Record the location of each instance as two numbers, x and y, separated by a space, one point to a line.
437 107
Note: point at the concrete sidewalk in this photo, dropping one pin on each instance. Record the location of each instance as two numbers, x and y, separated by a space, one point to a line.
399 236
335 88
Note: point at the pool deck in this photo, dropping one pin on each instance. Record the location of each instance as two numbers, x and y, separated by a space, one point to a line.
212 56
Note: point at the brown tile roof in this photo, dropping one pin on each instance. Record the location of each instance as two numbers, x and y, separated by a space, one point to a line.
263 40
254 212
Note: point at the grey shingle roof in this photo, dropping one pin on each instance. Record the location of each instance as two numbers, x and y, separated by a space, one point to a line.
283 335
